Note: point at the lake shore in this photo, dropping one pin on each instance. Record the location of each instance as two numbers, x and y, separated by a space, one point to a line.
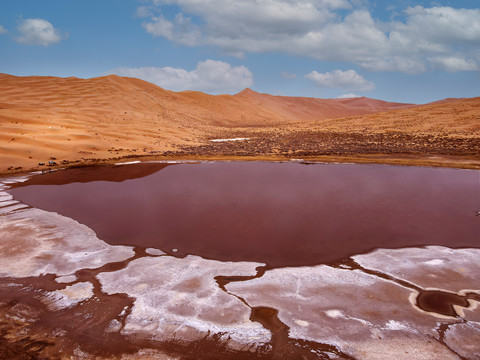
426 160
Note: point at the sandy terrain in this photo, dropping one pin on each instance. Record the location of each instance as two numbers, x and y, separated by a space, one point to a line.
72 121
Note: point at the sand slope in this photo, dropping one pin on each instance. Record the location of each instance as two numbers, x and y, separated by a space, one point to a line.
76 119
313 109
449 117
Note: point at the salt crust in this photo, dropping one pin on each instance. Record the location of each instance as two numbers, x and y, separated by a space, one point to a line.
179 298
401 347
35 242
155 252
66 279
364 315
70 296
465 339
430 267
226 140
128 163
340 305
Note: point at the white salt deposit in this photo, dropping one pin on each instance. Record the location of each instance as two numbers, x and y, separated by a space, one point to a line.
128 163
343 307
155 252
397 325
70 296
66 279
225 140
421 266
36 242
434 262
180 298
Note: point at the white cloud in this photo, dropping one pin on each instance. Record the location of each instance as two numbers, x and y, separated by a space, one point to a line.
453 63
2 30
427 38
348 80
348 96
209 76
242 25
143 12
181 30
442 25
38 32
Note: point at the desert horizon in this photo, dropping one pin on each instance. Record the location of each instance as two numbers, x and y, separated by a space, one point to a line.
72 121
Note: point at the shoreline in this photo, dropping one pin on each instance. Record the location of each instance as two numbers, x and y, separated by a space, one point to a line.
445 161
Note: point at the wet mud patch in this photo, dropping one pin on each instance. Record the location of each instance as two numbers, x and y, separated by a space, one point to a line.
28 320
445 303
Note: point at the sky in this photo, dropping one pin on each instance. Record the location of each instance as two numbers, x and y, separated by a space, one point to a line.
394 50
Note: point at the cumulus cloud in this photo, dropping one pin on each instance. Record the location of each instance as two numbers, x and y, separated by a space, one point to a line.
209 76
242 25
453 63
181 30
329 30
38 32
348 80
2 30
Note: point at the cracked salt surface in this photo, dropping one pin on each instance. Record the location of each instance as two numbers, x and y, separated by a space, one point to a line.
179 298
342 306
421 266
365 316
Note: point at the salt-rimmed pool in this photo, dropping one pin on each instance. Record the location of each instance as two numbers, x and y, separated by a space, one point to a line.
282 214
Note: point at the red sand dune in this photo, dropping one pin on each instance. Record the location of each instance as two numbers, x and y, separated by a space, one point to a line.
308 109
71 118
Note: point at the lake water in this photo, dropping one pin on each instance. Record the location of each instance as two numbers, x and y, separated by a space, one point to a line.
282 214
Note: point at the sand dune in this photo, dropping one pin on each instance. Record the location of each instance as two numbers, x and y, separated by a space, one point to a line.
313 109
73 119
448 117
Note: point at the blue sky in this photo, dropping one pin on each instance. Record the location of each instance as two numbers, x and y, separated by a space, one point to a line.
395 50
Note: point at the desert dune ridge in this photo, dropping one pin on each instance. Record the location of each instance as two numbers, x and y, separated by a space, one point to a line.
74 121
